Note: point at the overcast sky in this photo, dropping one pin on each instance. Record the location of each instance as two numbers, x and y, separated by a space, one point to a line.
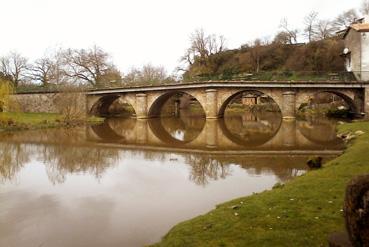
136 32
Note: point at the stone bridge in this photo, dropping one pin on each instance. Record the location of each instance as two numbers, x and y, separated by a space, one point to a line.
214 97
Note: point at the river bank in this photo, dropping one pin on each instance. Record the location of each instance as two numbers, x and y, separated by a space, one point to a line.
302 212
13 121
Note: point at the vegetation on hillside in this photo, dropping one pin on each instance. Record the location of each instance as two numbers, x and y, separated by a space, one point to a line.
302 212
260 60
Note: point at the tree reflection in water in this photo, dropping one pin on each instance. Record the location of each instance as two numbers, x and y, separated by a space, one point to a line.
61 160
12 159
205 168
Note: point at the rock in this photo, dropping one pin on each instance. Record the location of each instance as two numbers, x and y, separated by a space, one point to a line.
315 162
350 137
359 132
356 211
235 207
342 135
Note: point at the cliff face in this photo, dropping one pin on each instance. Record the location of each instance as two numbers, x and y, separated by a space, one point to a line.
317 56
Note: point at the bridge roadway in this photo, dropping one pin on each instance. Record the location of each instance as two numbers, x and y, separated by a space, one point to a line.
214 96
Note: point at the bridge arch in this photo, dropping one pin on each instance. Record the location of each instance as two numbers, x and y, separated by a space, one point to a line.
155 108
103 104
233 95
347 97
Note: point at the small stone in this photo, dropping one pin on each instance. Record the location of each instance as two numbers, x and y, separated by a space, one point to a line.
235 214
292 199
330 202
359 132
278 217
235 207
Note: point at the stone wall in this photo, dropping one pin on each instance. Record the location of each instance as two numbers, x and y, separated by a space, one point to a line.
41 102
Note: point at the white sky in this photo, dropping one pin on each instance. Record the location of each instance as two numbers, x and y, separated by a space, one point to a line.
136 32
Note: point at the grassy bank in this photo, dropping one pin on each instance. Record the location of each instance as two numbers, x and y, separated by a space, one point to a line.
301 213
11 121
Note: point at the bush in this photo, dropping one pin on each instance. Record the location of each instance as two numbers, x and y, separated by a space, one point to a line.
69 104
6 89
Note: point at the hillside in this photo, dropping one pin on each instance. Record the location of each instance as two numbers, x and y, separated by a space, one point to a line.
271 61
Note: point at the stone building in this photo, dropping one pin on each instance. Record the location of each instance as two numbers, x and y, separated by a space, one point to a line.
356 52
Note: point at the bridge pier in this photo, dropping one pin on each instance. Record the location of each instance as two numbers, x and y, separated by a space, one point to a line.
211 107
289 132
211 128
141 106
289 105
142 131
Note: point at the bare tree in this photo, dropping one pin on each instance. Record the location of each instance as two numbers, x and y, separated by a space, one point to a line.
68 103
13 66
282 38
292 33
310 24
92 66
256 53
324 29
203 46
42 70
365 7
345 19
147 74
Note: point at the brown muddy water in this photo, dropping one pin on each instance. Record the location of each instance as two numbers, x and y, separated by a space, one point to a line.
126 182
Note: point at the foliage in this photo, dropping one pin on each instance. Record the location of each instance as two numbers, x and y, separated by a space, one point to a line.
6 89
301 213
276 57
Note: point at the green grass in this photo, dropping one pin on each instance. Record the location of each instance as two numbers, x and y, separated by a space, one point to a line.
303 212
10 121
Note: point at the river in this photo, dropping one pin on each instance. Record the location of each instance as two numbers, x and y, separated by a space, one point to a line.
126 182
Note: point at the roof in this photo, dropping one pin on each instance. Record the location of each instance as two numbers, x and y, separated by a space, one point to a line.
358 27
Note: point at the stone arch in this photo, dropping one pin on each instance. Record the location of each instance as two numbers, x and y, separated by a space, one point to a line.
154 109
233 94
345 96
102 104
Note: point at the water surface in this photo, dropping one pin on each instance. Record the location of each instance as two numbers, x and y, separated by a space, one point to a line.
126 182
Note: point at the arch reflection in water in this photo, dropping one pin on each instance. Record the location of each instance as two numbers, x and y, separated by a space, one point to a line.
264 132
177 130
251 129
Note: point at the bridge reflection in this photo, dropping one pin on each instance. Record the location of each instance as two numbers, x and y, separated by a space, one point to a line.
236 133
261 145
